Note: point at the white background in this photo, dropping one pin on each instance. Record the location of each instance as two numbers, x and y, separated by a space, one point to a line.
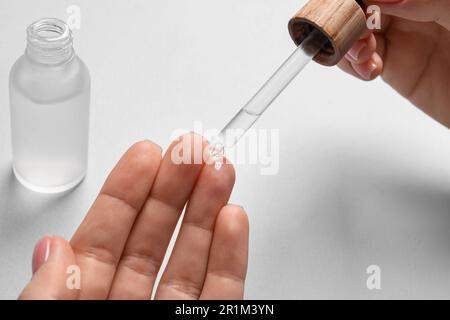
364 176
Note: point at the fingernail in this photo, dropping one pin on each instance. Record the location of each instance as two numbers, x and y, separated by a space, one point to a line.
236 205
41 253
355 51
365 70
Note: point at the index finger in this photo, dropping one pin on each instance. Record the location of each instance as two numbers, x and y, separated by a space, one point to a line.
99 241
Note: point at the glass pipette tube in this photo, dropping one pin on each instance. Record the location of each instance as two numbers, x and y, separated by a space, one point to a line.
252 111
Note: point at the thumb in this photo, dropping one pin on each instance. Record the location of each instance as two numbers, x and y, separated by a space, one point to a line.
53 261
417 10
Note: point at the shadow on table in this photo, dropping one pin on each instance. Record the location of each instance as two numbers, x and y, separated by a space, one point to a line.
368 210
20 206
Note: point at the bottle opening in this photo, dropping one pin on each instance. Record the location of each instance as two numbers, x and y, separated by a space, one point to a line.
49 41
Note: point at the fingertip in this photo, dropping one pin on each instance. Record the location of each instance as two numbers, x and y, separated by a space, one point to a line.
59 243
41 253
50 275
370 69
220 179
231 234
362 50
187 149
379 63
47 248
143 157
148 146
233 221
133 175
353 54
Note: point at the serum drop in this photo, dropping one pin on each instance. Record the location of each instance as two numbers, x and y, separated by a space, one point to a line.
49 89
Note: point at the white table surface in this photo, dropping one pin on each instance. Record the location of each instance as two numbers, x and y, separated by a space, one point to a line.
364 177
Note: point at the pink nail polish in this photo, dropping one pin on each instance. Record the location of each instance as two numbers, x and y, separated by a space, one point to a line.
41 253
372 68
365 70
355 51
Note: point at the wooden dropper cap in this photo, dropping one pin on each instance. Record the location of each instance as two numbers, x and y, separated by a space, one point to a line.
341 21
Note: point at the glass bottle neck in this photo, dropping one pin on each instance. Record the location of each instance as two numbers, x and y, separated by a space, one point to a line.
49 41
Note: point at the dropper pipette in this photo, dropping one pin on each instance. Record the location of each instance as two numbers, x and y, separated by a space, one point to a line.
266 95
324 30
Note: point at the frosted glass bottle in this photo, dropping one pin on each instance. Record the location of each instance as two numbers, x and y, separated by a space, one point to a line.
49 90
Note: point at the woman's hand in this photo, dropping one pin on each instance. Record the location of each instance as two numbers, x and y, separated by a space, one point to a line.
414 47
120 245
